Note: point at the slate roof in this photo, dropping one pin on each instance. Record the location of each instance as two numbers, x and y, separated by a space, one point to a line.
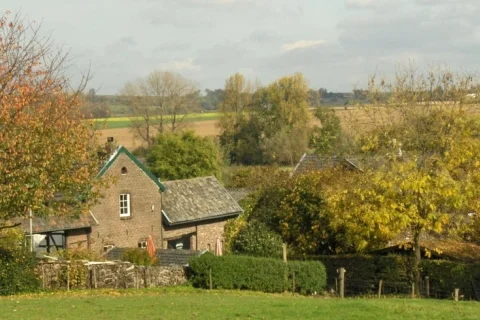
166 257
239 193
313 162
197 199
58 223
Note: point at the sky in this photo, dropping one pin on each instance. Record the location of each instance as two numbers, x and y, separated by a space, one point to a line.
336 44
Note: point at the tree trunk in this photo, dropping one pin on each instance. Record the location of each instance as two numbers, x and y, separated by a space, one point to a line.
416 261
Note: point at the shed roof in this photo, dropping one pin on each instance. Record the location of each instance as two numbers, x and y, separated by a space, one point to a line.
197 199
58 223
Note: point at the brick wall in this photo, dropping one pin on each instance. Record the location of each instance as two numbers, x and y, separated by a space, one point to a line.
145 208
206 234
78 238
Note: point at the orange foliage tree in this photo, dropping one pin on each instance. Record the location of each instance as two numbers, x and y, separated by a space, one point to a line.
48 153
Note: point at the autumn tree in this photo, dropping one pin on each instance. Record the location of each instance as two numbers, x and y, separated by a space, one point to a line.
329 138
47 152
266 125
159 103
240 127
421 163
183 155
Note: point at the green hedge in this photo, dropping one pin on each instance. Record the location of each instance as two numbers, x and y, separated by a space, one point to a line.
257 274
445 276
362 270
392 268
17 272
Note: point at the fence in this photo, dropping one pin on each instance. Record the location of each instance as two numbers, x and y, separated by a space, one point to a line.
92 275
378 289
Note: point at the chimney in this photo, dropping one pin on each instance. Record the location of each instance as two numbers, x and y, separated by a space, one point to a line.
110 145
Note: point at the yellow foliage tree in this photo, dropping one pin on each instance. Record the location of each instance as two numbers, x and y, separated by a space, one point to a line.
422 156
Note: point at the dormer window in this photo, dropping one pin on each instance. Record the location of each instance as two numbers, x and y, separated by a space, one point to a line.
124 205
124 171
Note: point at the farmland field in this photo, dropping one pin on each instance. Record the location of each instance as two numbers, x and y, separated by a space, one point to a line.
124 122
206 124
188 303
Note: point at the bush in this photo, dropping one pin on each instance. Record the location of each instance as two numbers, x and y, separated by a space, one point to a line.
17 272
256 239
445 276
310 276
257 274
138 256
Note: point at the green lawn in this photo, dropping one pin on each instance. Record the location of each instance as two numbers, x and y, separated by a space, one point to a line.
187 303
124 122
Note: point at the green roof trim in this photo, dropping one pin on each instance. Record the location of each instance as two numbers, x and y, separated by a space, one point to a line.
121 150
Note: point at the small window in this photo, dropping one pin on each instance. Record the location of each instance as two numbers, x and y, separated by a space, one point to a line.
142 244
124 205
124 171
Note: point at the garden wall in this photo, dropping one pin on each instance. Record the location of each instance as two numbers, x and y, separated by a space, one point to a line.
93 275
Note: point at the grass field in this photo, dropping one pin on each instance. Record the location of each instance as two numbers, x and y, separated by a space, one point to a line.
124 122
187 303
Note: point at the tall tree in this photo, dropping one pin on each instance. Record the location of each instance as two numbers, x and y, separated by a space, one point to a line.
240 135
423 149
48 154
183 155
265 125
283 110
160 102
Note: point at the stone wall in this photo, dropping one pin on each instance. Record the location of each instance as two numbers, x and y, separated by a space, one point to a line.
93 275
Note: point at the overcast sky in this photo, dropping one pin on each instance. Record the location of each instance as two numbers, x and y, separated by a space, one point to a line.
336 44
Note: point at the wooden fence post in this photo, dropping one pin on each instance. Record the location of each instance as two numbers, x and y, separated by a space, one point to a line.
43 276
284 248
68 276
341 277
95 276
427 286
380 283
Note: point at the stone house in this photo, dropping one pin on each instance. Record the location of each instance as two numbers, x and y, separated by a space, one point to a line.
183 214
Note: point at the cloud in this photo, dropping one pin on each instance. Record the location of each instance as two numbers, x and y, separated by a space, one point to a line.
367 4
182 65
301 44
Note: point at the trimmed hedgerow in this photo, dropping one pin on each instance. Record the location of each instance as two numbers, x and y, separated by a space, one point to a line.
257 274
445 276
310 276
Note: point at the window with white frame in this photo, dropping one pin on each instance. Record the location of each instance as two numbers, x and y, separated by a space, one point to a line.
124 205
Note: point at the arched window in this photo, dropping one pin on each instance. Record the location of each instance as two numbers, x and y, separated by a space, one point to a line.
124 171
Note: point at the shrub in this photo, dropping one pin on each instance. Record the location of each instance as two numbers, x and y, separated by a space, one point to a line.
17 272
257 274
256 239
138 256
310 276
445 276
